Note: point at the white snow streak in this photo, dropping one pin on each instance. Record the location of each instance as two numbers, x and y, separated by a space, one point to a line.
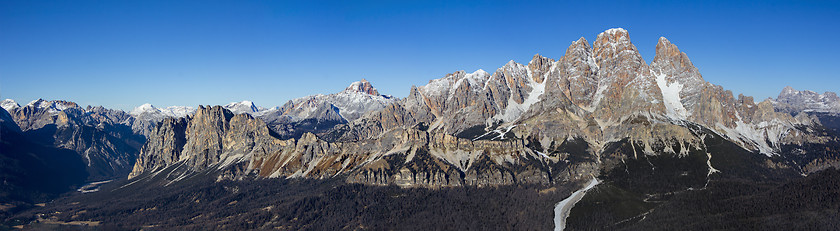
709 163
562 209
596 99
543 154
514 110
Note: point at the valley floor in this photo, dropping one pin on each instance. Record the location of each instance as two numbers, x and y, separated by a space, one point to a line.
811 203
201 203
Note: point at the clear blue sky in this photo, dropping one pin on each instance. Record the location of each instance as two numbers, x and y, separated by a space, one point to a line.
121 54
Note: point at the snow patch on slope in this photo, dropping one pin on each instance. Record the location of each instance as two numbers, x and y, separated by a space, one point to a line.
477 81
765 136
501 132
596 99
671 97
514 110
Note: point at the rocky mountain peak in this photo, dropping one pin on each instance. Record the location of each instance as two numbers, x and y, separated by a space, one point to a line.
613 48
613 36
510 63
580 52
362 86
35 102
788 91
53 106
672 65
540 65
581 42
212 113
577 74
578 48
666 48
678 60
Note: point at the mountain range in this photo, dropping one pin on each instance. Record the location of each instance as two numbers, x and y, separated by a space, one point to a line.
639 133
793 101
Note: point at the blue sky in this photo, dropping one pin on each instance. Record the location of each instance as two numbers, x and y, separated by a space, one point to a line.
121 54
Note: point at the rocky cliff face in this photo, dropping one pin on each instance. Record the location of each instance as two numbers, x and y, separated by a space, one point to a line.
213 136
598 107
167 139
216 139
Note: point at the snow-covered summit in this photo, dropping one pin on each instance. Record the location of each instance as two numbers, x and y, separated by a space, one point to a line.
788 91
151 113
9 104
245 106
53 106
145 108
